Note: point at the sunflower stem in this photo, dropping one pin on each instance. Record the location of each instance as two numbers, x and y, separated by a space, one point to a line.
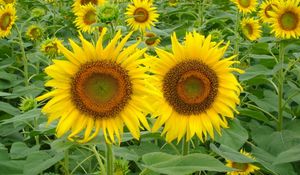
66 162
280 85
237 36
185 146
102 168
109 159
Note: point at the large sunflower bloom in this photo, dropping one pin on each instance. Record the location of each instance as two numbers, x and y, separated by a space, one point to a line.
285 19
97 88
78 4
265 9
141 15
86 17
245 6
251 28
193 88
242 168
7 19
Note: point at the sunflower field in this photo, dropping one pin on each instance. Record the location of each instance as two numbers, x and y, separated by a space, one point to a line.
149 87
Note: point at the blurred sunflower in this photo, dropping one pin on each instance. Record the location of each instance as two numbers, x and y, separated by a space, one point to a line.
265 9
97 88
4 2
7 19
173 2
141 15
285 19
50 47
151 39
193 88
78 4
251 28
245 6
34 32
108 12
243 168
86 17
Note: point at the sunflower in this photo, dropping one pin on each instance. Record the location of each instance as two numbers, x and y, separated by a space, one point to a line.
34 32
243 168
285 19
141 15
151 39
4 2
86 17
265 9
7 19
97 88
193 88
78 4
245 6
50 47
251 28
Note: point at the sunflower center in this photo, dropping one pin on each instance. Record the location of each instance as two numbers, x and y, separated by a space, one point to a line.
35 32
268 9
240 166
190 87
141 15
289 20
101 89
90 17
248 29
5 21
8 1
85 2
244 3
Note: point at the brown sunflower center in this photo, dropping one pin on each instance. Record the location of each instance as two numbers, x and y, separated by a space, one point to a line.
85 2
35 33
190 87
248 28
289 20
244 3
240 166
5 21
8 1
101 89
90 17
141 15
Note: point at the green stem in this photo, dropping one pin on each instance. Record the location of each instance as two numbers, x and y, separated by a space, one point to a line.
37 138
66 163
102 168
109 159
24 58
185 146
280 86
237 36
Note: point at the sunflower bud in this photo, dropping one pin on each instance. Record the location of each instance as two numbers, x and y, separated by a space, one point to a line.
27 104
50 48
34 32
108 13
38 12
121 167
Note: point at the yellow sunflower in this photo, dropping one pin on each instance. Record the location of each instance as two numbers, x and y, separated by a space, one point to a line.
141 15
4 2
86 17
285 19
97 88
251 28
34 32
78 4
7 19
243 168
245 6
151 39
50 47
265 9
193 88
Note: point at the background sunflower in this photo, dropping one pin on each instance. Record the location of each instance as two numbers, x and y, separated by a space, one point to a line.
245 6
251 28
7 19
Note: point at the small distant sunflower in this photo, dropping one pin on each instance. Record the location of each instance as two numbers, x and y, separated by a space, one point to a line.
141 15
50 47
86 17
251 28
97 88
34 32
78 4
7 2
285 19
108 12
151 39
265 9
243 168
245 6
7 19
193 88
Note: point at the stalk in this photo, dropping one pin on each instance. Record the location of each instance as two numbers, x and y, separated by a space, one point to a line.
109 159
280 86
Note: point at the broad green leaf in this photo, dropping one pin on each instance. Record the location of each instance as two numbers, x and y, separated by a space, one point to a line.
30 115
253 114
12 167
20 150
6 107
290 155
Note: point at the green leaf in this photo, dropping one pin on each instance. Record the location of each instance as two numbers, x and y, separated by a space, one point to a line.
254 114
254 71
177 165
6 107
20 150
12 167
30 115
290 155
